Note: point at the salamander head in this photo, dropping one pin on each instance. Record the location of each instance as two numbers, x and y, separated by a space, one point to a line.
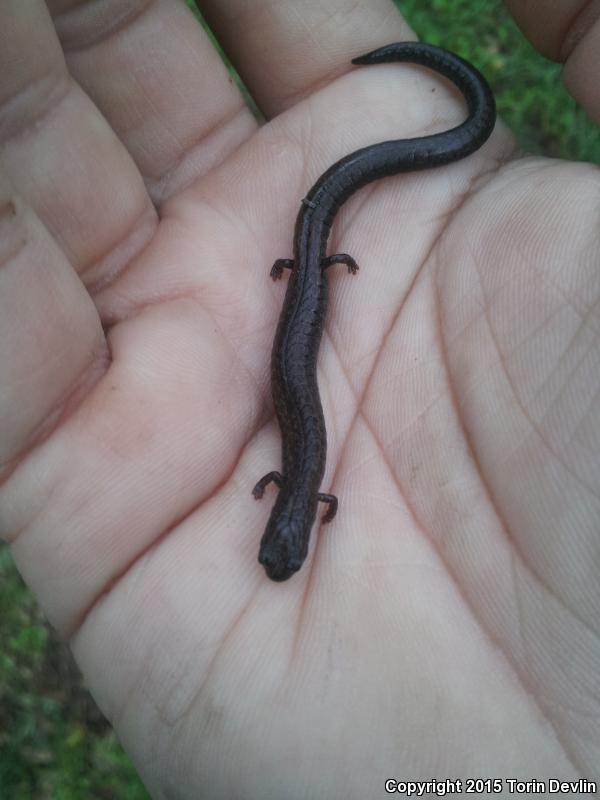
283 547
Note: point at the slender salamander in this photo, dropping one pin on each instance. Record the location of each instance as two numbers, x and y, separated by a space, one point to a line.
284 544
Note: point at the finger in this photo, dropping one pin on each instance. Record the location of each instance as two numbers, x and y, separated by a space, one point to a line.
570 33
52 347
157 78
59 153
283 54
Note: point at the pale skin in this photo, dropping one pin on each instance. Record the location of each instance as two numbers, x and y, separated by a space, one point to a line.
446 622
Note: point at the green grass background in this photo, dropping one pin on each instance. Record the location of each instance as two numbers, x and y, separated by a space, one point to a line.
54 743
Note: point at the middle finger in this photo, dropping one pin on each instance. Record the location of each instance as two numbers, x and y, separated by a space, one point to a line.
157 78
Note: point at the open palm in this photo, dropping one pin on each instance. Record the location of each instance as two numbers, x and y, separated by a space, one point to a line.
446 623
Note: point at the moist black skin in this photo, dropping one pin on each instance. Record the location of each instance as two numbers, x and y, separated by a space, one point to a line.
284 545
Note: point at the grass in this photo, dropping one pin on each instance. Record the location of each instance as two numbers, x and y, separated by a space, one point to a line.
54 743
528 88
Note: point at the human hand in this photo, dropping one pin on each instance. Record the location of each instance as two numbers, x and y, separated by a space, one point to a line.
445 622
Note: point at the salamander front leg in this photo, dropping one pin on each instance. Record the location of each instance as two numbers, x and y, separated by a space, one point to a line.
341 258
338 258
271 477
279 266
332 500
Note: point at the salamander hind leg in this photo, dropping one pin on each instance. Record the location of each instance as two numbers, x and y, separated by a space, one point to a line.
332 500
341 258
271 477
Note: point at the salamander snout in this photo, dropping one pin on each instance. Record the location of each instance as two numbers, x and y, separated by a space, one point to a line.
283 548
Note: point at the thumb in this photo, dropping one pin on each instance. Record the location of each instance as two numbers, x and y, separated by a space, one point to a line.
568 33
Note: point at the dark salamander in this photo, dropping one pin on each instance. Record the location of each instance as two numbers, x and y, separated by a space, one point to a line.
294 387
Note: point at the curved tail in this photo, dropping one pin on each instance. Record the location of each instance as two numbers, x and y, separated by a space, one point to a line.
406 155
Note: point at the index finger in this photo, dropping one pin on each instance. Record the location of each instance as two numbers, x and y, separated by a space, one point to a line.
284 51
